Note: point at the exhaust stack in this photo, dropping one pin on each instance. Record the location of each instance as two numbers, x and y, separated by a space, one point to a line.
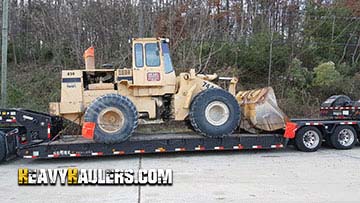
89 57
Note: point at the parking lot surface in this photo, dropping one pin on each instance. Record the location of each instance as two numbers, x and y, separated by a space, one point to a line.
230 176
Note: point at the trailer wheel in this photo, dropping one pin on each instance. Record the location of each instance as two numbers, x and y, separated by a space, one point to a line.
344 137
308 139
214 113
115 117
2 147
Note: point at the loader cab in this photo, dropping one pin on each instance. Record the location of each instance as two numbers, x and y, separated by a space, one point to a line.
151 62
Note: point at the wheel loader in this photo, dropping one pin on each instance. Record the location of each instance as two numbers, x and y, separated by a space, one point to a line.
110 102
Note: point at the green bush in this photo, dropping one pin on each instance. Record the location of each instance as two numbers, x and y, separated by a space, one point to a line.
326 75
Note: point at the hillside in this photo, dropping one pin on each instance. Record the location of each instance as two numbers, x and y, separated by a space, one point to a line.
306 50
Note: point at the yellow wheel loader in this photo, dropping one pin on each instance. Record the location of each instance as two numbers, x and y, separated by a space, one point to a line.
109 103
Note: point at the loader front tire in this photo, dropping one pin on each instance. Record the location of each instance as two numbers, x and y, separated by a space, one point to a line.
214 113
115 118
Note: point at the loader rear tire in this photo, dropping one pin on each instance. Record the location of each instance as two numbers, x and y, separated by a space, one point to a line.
214 113
115 118
2 147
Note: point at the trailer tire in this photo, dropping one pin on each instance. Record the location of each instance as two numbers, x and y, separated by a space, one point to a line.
214 113
115 118
344 137
308 139
2 147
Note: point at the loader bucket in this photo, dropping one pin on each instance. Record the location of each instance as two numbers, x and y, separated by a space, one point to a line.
260 111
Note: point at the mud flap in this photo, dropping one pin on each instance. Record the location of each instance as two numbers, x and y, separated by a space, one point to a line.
8 144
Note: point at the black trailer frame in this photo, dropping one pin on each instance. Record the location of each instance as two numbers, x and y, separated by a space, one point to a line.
148 143
33 135
327 126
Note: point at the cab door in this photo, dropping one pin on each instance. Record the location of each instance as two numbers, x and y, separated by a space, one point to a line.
147 64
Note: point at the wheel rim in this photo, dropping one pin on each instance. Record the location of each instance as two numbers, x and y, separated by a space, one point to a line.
311 139
346 137
111 120
217 113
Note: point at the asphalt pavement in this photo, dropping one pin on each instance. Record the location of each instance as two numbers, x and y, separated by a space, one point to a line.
230 176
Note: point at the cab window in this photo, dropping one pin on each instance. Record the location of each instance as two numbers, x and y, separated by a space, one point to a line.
152 55
139 57
167 58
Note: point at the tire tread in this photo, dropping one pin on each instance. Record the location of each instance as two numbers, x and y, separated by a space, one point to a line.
197 101
99 103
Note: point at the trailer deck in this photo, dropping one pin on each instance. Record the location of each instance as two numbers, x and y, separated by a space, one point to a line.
32 135
72 146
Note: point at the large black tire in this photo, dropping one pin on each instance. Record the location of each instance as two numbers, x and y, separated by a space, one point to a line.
344 137
308 139
2 147
115 117
214 126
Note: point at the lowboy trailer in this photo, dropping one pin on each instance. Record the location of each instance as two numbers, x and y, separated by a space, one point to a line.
34 135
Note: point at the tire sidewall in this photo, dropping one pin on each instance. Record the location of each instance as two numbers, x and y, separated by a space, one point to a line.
2 147
334 137
299 139
119 102
197 112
